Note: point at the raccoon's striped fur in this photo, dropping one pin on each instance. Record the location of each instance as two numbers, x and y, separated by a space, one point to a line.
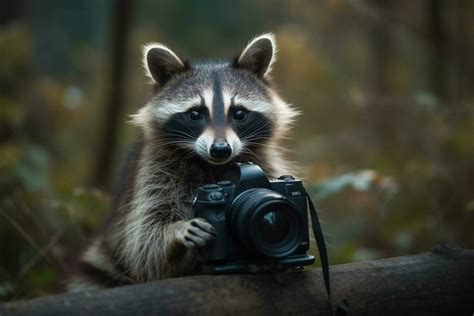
202 117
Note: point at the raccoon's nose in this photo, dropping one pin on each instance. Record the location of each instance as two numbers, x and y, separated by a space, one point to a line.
220 150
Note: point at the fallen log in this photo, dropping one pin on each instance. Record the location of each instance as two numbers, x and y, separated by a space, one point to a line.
440 282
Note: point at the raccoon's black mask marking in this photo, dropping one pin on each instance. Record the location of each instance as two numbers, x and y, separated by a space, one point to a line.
254 130
180 127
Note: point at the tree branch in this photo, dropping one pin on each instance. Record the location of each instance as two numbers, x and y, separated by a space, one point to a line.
434 283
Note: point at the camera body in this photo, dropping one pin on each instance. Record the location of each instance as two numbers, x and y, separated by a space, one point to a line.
260 224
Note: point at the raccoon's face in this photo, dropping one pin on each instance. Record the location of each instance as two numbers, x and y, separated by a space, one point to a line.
218 110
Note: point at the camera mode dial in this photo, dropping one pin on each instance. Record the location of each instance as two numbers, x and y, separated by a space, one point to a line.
211 194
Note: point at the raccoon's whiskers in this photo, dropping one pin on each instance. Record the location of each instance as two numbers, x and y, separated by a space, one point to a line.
189 155
251 129
257 141
181 134
254 131
249 152
174 142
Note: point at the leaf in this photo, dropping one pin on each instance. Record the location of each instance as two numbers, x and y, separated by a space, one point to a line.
33 169
427 100
358 180
6 288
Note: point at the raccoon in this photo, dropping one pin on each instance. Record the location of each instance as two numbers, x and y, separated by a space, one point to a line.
202 116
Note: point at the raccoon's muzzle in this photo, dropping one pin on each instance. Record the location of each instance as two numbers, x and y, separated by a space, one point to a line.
221 150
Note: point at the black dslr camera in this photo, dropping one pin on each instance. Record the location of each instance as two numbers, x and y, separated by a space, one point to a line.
261 224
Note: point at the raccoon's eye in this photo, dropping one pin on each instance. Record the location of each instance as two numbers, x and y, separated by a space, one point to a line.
239 115
195 115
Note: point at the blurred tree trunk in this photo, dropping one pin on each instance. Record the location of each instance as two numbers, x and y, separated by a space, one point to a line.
11 10
438 74
463 50
382 50
381 115
115 99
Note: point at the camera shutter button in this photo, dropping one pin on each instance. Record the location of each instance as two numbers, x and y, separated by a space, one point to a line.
216 196
286 177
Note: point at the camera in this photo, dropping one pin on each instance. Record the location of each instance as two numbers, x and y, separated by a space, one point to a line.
261 224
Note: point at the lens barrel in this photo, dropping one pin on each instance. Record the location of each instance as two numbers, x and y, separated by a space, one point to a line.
266 222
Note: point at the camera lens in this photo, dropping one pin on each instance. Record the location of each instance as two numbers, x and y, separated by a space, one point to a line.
266 222
273 227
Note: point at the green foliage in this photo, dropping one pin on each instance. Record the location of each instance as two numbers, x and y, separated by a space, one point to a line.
357 180
32 170
44 212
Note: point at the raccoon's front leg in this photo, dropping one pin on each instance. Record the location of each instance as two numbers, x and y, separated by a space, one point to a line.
194 233
186 236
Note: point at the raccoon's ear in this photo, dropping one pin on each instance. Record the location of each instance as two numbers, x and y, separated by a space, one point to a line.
161 63
259 55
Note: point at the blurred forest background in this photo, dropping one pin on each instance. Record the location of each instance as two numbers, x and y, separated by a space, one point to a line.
386 138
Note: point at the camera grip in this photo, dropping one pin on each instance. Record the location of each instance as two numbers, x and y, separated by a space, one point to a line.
210 205
216 250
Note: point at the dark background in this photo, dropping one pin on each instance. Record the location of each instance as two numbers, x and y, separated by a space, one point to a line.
386 139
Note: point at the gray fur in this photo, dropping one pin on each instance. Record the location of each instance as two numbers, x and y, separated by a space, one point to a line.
151 234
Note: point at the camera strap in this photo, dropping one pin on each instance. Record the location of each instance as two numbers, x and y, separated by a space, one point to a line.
323 255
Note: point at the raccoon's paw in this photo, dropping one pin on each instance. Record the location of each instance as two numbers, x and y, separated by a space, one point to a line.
195 233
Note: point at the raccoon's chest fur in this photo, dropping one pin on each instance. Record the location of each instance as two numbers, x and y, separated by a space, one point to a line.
161 177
